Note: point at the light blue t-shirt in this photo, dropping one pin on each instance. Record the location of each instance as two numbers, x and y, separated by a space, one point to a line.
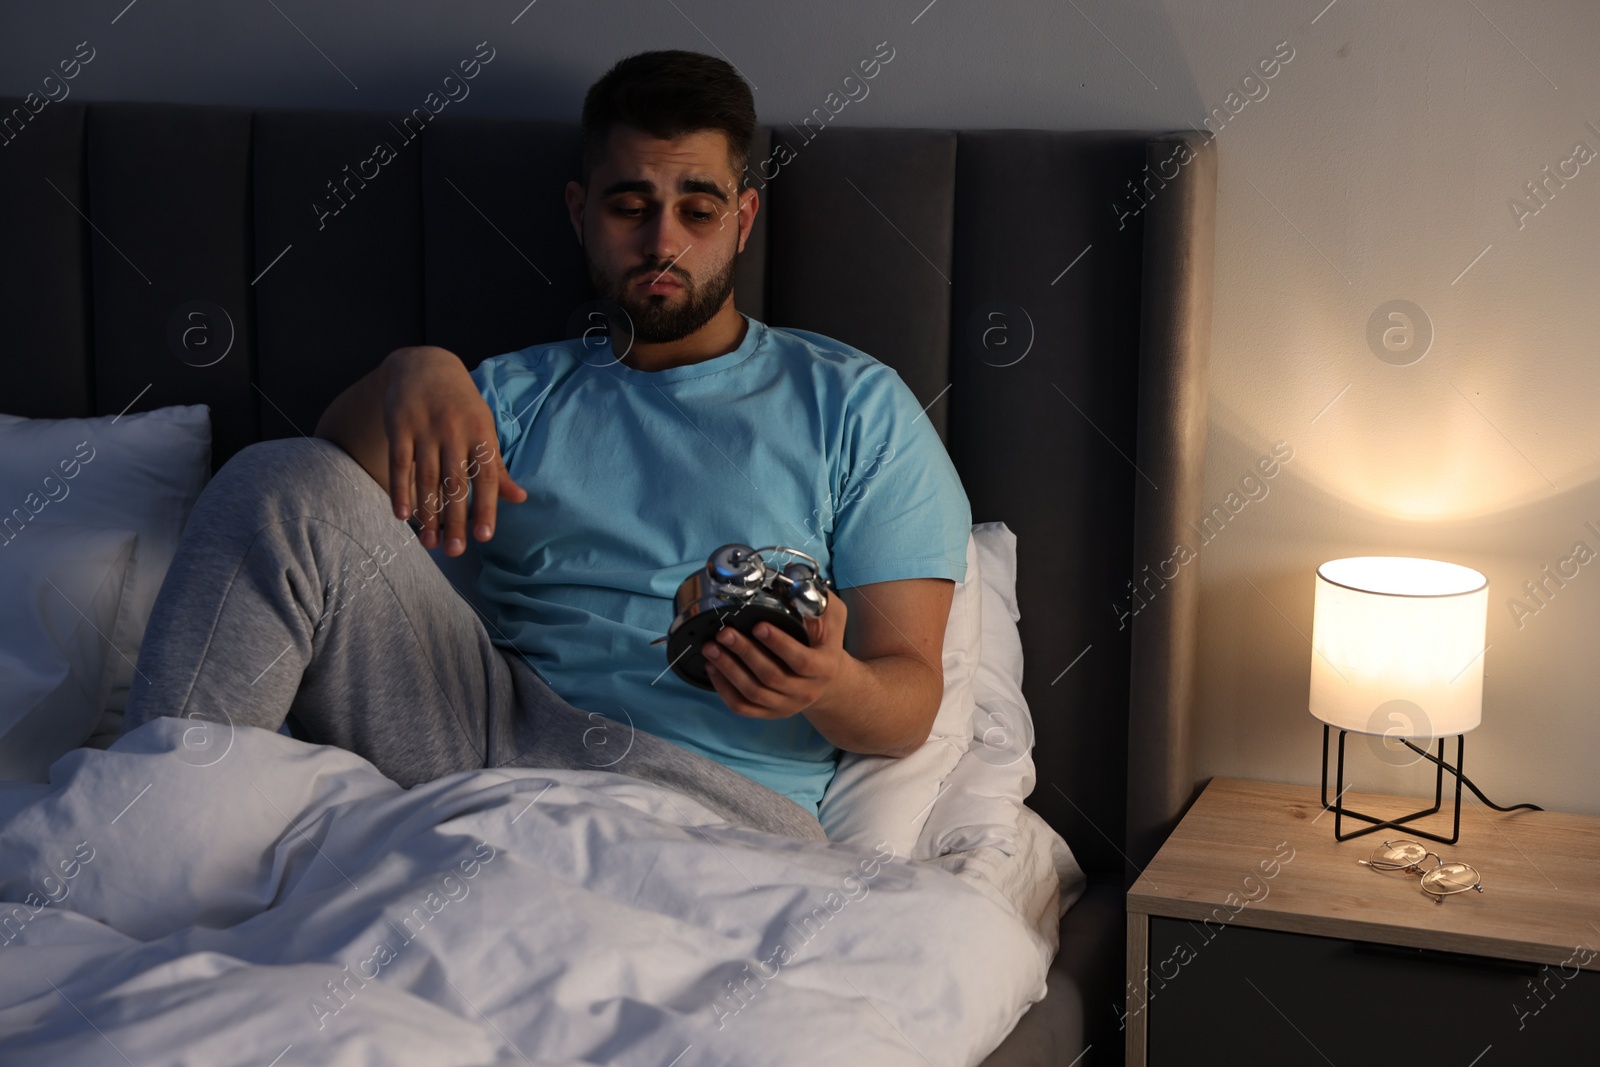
634 477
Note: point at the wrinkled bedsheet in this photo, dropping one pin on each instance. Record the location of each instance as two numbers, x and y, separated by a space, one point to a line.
198 899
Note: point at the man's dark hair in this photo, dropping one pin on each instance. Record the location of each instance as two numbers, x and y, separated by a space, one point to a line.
669 94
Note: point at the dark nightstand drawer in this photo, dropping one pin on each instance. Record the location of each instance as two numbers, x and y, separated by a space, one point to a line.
1277 997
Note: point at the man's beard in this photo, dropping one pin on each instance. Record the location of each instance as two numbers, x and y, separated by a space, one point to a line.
653 319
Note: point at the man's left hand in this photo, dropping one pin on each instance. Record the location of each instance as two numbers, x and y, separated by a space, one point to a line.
774 676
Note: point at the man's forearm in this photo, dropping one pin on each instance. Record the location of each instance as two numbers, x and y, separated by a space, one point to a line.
882 706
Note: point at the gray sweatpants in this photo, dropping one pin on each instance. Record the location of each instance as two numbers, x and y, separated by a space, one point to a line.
296 592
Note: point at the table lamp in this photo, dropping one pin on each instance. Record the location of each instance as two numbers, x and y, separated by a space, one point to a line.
1397 649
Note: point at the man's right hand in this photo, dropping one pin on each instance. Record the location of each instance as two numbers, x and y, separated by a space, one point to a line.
418 425
441 430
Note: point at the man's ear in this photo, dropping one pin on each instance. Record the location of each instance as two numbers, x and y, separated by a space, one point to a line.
575 197
747 216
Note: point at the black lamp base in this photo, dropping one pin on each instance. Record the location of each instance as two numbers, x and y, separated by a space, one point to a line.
1340 812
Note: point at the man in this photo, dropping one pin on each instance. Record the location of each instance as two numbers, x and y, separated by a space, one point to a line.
622 469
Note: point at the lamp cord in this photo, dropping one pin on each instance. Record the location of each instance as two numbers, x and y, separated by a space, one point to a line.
1464 779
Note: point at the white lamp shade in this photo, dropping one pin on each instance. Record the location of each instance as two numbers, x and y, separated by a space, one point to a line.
1397 646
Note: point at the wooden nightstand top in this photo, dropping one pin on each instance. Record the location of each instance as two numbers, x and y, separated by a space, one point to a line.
1541 875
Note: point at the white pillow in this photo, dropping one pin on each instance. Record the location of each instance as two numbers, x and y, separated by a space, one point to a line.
985 791
998 679
63 596
141 472
875 800
980 815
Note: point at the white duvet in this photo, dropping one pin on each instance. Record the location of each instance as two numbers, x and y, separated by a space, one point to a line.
258 901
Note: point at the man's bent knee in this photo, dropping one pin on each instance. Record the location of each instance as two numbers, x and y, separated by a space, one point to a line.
310 468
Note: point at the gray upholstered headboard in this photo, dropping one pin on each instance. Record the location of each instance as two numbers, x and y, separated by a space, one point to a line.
272 235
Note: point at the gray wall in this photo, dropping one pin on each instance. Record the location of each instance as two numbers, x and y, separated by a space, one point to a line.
1379 163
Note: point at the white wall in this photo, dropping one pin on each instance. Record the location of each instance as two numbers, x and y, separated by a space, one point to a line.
1378 166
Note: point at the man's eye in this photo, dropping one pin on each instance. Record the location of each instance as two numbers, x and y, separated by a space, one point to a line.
702 216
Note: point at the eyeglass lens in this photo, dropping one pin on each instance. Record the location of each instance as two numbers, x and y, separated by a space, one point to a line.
1450 878
1397 855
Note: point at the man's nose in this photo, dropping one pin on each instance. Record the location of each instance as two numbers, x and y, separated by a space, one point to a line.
665 240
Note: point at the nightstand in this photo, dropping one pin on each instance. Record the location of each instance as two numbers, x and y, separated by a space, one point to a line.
1254 934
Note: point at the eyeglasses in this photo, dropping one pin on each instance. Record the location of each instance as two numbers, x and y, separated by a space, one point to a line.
1438 881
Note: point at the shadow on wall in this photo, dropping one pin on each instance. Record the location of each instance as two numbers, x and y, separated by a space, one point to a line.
549 89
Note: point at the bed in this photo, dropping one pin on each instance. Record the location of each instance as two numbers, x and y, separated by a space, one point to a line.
1046 294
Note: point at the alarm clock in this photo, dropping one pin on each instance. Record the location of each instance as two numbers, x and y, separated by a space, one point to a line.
739 588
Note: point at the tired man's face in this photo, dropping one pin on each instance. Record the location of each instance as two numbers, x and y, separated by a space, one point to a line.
662 223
